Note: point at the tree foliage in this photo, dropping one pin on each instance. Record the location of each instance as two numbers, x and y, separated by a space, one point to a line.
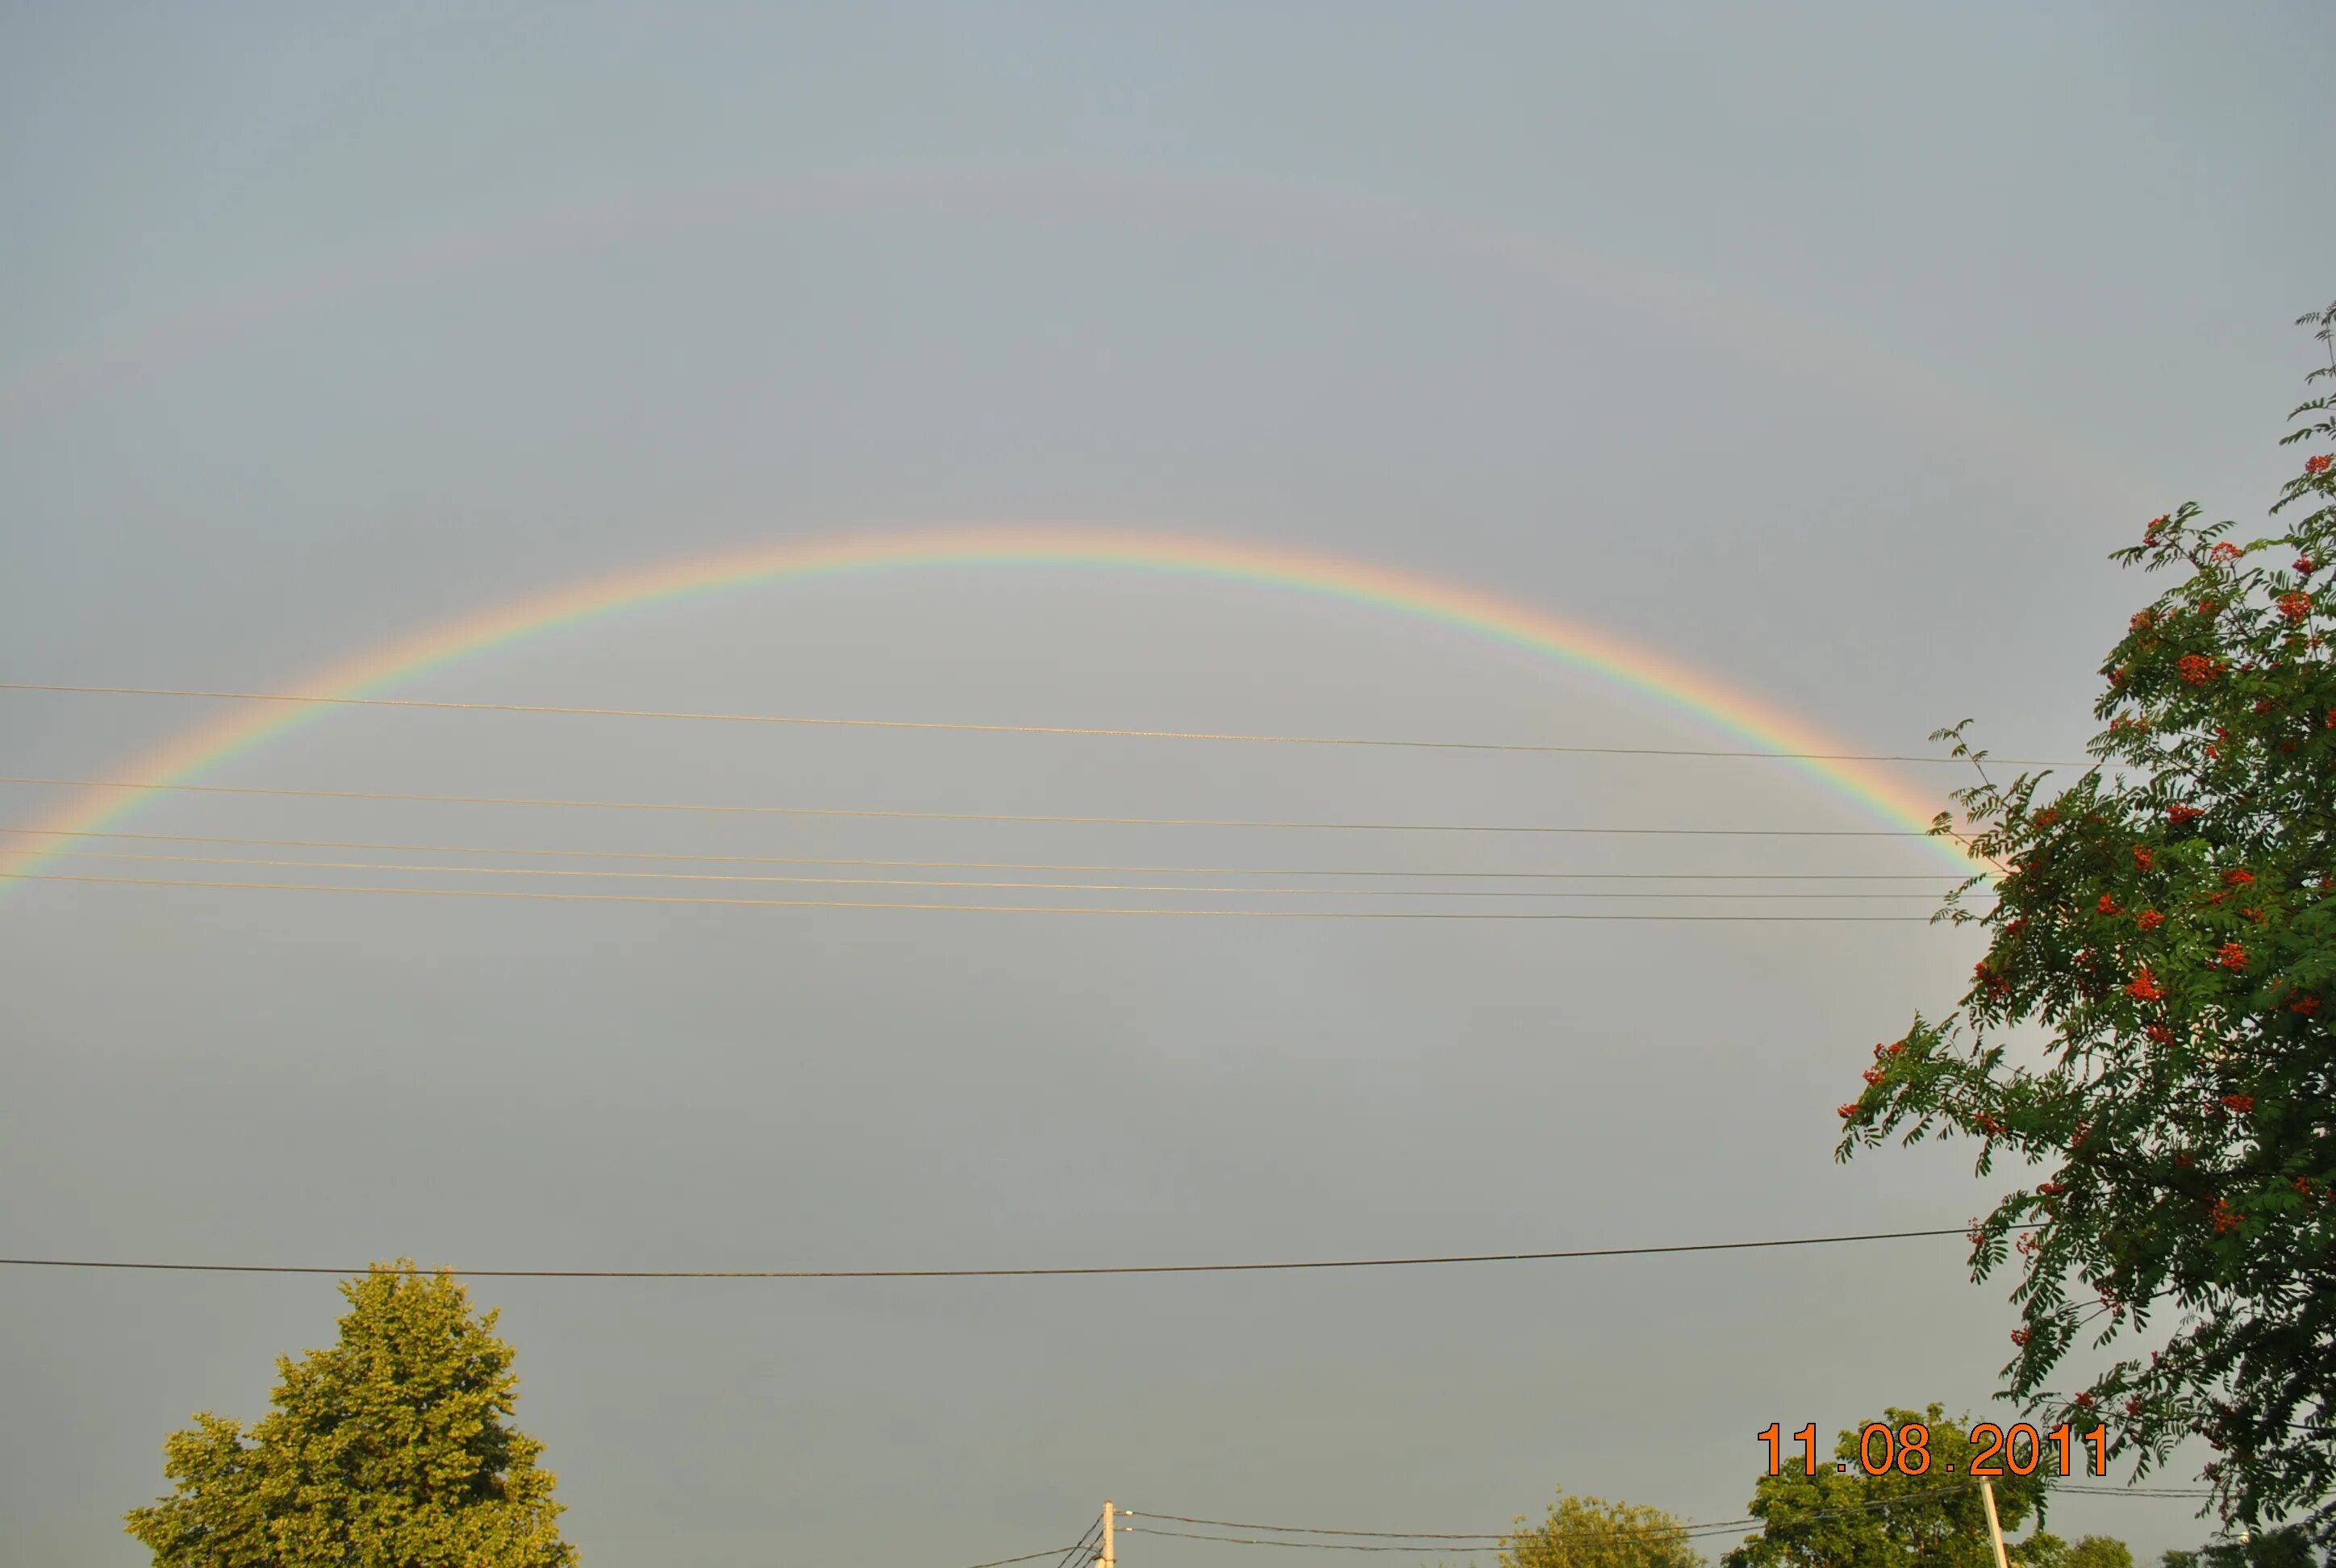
2043 1550
2287 1548
391 1449
1846 1518
1591 1533
2164 923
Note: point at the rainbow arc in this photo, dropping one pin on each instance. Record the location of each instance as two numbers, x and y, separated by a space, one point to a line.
1702 699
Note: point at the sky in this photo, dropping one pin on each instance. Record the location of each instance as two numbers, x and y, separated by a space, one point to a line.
1822 351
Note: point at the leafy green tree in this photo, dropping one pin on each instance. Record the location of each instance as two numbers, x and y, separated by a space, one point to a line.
391 1449
1843 1517
2288 1548
1591 1533
2162 928
2047 1550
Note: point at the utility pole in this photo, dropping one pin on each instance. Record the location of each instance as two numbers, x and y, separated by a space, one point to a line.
1986 1495
1109 1558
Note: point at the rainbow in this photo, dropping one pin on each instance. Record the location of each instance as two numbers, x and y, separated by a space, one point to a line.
1692 694
1333 217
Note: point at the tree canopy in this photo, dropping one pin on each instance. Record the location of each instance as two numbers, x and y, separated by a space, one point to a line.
1842 1516
1591 1533
2043 1550
392 1449
2286 1548
2152 1018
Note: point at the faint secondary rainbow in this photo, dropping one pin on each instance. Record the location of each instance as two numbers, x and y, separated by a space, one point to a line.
1691 692
1337 220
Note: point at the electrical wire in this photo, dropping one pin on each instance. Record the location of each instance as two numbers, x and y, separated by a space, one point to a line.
1435 1541
1429 1543
280 791
1085 1543
1766 1244
676 856
1025 1557
1438 1540
2161 1492
1084 1549
1152 913
1053 729
1314 1545
735 877
1309 1530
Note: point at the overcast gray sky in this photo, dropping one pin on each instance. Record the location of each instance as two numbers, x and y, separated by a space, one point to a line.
1826 349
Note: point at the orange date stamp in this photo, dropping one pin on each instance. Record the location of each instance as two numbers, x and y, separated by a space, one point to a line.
1996 1452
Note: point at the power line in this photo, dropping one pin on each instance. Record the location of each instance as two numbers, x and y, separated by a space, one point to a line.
1084 1544
2135 1490
868 812
1426 1540
678 899
1025 1557
1055 729
1439 1541
676 856
735 877
1314 1545
1309 1530
1419 1536
1279 1267
1425 1547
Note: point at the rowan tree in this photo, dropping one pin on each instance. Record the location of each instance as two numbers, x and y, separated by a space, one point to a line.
2151 1020
392 1448
1591 1533
1844 1517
